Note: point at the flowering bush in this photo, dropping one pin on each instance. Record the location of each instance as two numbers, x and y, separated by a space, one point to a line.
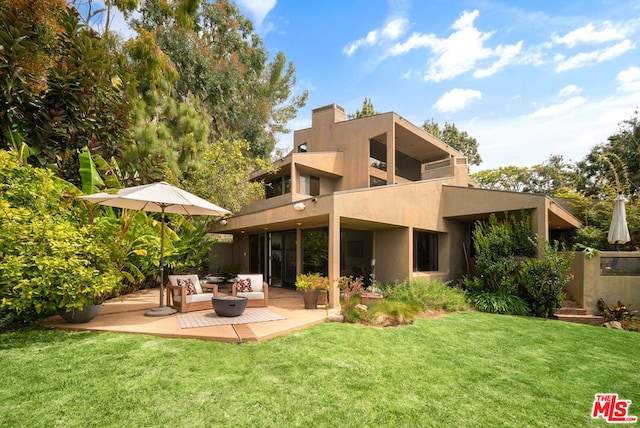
350 290
350 287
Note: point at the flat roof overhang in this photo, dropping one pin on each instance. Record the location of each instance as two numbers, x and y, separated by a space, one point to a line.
328 164
470 204
419 144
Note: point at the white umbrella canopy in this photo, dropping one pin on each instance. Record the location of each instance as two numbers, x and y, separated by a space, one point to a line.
157 197
619 231
163 198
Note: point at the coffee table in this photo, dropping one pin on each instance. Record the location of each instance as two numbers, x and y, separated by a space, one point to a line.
229 306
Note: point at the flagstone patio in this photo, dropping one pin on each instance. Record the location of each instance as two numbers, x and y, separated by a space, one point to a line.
126 315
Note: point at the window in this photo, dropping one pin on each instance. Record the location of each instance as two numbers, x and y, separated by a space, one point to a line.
620 266
286 182
309 185
315 251
302 148
278 186
377 155
425 251
375 181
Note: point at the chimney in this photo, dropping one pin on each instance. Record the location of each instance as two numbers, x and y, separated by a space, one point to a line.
327 115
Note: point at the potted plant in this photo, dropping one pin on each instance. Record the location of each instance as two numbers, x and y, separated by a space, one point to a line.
310 286
79 301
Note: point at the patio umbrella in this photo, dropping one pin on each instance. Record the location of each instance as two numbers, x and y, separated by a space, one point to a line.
618 231
163 198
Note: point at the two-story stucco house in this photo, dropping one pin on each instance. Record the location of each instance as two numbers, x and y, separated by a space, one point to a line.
371 195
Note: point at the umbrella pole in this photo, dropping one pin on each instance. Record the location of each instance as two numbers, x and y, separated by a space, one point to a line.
161 310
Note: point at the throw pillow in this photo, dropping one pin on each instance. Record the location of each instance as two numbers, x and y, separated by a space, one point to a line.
190 288
243 285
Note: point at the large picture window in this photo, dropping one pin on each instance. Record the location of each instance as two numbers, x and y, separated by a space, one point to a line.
315 251
278 186
425 251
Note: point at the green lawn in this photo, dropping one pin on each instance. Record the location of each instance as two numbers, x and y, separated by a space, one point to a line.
465 369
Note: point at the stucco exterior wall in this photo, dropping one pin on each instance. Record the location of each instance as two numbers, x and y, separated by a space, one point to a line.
338 152
588 285
393 261
416 204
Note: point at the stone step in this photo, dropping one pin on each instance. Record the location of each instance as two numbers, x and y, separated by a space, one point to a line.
571 310
581 319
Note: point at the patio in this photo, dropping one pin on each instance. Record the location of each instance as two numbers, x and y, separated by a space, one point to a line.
126 315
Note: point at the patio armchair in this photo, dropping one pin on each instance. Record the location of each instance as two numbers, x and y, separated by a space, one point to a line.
185 293
253 287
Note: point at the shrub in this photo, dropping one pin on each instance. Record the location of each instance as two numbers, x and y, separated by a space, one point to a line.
499 303
505 284
434 294
402 300
497 243
311 281
49 258
350 290
542 282
394 312
353 312
621 313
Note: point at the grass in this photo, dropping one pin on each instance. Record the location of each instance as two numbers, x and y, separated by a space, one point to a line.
465 369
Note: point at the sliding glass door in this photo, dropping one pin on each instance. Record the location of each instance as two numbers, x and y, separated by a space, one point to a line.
282 259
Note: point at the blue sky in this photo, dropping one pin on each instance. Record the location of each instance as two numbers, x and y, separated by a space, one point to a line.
527 79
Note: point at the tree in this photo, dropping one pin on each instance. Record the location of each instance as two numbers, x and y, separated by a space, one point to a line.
104 11
625 145
223 63
65 88
455 138
223 175
508 178
367 110
547 178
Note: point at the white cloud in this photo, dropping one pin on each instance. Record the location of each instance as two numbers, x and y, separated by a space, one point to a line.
258 9
507 54
569 90
461 51
556 109
416 40
629 79
456 99
395 28
570 129
390 32
595 57
605 32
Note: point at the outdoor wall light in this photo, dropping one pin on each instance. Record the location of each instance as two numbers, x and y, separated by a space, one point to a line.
223 222
299 206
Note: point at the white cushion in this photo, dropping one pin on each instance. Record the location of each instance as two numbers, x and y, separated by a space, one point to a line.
173 280
193 297
253 295
256 281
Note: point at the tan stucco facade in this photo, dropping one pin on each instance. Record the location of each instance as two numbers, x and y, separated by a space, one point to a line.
377 180
592 280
